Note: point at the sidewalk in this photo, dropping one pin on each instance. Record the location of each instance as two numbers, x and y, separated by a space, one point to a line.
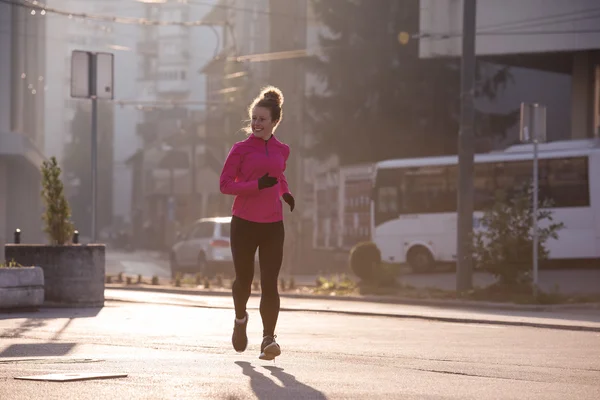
534 316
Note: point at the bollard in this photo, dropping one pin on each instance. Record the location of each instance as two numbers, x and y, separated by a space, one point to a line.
17 236
76 237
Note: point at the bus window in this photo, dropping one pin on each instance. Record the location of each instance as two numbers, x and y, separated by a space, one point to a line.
569 182
484 188
387 201
512 175
427 190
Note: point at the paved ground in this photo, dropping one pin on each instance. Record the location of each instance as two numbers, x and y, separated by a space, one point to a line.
582 281
181 350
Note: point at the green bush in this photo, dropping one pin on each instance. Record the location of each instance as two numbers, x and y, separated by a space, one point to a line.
10 264
365 260
57 216
504 246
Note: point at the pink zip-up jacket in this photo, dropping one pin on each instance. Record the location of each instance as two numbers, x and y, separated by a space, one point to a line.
247 161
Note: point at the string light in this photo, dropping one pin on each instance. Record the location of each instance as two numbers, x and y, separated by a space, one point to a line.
23 75
108 18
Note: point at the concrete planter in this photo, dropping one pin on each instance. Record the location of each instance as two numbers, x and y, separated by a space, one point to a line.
21 287
74 275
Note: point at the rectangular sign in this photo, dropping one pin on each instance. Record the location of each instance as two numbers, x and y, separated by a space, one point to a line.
92 74
104 76
80 74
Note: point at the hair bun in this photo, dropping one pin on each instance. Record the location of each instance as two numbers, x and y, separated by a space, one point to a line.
273 94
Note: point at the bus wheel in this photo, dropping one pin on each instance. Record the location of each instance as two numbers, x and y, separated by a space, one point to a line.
420 259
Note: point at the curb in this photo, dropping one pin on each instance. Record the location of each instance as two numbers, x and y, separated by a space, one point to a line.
456 320
376 299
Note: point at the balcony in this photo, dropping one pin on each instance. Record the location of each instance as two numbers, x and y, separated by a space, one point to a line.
173 81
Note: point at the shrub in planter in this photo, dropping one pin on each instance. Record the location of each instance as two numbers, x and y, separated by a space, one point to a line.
365 260
74 275
504 245
58 213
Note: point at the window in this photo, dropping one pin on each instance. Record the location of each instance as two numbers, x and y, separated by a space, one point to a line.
225 229
203 230
427 190
433 189
568 182
484 188
387 201
563 181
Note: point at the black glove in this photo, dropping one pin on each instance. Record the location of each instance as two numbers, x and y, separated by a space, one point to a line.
266 181
288 198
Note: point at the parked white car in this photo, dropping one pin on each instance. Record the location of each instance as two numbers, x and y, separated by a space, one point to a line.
203 247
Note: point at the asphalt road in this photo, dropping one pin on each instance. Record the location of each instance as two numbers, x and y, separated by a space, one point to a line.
184 352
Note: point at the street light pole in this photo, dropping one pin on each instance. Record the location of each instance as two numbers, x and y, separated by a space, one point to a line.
466 151
94 149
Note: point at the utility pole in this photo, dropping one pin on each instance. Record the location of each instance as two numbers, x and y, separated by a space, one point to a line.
464 267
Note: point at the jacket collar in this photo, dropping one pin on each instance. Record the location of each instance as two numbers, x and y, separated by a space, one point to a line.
261 140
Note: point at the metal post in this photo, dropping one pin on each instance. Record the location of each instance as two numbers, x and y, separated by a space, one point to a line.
533 130
466 151
535 212
17 236
94 156
193 201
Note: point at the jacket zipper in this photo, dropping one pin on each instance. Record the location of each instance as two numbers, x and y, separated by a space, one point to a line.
267 148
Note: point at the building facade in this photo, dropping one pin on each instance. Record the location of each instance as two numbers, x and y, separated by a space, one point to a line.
166 195
547 35
22 93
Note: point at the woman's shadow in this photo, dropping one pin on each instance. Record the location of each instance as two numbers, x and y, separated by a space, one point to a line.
265 388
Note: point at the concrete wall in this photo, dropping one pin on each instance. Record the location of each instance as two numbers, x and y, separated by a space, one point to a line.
500 26
73 275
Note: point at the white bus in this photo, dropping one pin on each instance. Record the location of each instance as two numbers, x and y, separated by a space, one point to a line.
415 200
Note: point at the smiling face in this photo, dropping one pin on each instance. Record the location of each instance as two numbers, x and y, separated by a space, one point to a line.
262 123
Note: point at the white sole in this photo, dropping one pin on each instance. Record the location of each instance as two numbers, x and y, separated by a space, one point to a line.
270 352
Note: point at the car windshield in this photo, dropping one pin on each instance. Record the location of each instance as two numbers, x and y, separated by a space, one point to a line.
225 229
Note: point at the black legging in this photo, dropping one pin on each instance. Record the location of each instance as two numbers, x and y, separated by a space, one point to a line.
246 237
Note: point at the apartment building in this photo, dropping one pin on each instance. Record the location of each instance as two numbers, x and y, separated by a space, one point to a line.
22 98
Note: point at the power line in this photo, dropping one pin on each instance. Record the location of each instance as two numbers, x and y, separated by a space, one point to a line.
36 5
301 53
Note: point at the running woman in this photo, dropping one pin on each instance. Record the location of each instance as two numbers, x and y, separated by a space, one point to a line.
254 173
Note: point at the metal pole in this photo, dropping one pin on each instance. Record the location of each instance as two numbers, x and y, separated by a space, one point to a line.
535 203
193 202
466 151
94 156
